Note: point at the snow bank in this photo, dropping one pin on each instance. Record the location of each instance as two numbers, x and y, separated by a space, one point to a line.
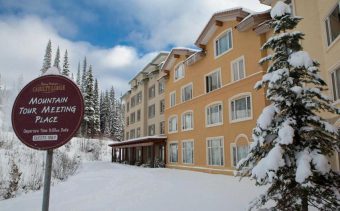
280 9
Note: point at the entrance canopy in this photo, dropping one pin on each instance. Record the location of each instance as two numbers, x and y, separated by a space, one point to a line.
139 142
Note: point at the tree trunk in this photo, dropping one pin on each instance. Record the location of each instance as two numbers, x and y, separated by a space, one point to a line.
304 202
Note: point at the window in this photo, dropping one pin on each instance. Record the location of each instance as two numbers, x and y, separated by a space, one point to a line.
161 106
152 91
223 43
139 97
151 111
151 130
187 121
333 24
239 152
179 71
161 87
133 101
188 152
132 133
132 118
238 71
173 152
215 152
138 115
162 128
172 99
336 84
127 121
214 114
187 93
138 132
241 108
173 124
127 135
127 106
213 81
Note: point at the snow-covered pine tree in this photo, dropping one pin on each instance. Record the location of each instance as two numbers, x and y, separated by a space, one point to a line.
107 114
96 109
291 141
119 121
57 59
47 58
101 109
78 76
113 114
83 78
66 65
89 105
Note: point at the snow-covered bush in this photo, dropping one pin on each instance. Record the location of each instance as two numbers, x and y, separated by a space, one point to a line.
30 163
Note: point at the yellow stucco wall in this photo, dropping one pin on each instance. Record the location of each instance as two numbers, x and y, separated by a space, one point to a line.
246 44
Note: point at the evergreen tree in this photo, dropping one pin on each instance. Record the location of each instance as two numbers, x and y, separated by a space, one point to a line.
102 111
107 115
83 79
57 59
291 142
118 121
96 109
66 66
112 114
78 76
47 58
89 105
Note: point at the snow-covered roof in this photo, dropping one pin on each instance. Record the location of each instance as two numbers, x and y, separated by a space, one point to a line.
222 16
139 140
253 20
170 60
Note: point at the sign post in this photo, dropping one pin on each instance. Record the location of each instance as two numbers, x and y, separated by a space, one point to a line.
46 115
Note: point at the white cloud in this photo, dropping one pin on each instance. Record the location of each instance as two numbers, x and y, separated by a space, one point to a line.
178 23
22 47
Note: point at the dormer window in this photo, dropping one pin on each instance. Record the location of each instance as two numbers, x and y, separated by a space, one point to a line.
179 71
223 43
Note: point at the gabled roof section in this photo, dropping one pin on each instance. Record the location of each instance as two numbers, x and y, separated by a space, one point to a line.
217 20
154 64
253 20
174 55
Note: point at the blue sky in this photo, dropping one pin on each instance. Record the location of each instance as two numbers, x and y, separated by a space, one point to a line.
118 37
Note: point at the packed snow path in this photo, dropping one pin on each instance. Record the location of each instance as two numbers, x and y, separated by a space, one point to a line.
106 186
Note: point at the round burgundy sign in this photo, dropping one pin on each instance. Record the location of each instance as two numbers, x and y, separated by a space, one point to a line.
48 112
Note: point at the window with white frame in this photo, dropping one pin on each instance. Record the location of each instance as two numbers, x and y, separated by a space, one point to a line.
239 152
138 132
214 114
179 71
161 87
161 106
173 124
223 43
187 93
132 133
238 69
213 81
162 128
151 130
152 91
139 97
172 99
336 84
215 151
241 108
138 115
332 23
188 152
151 111
132 117
173 152
187 121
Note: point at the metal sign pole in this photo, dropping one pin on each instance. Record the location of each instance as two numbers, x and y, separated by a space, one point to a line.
47 180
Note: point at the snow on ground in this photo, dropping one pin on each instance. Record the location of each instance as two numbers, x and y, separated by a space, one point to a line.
107 186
